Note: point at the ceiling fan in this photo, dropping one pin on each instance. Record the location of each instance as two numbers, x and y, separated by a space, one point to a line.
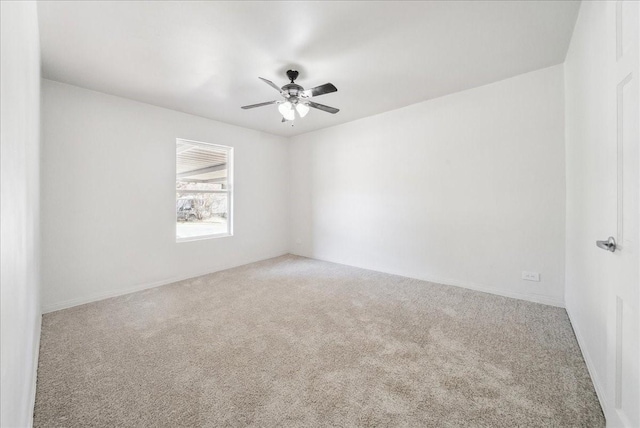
296 98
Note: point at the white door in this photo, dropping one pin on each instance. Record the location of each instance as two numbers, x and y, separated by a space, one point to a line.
622 271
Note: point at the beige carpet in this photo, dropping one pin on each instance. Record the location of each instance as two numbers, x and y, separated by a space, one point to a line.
292 342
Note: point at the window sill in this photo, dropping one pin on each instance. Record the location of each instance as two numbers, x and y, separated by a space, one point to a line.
203 237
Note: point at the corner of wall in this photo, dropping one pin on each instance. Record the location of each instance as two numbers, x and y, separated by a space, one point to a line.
34 362
289 199
21 237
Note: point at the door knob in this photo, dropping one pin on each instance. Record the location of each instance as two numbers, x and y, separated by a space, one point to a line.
609 244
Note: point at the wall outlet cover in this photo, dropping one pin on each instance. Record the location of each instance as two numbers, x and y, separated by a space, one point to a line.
531 276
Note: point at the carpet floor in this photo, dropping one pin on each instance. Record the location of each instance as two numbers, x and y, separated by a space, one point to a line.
296 342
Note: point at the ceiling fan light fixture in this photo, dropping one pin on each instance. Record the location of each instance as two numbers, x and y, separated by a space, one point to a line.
287 111
302 109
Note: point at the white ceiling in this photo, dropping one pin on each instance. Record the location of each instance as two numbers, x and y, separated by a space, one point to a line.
204 58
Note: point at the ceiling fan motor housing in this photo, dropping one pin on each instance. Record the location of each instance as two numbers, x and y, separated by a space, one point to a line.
292 89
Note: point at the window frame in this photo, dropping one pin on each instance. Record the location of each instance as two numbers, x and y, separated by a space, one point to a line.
229 191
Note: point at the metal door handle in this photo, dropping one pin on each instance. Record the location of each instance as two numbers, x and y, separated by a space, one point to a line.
609 244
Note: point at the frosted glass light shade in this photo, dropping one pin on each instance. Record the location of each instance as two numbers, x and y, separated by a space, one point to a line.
287 111
302 109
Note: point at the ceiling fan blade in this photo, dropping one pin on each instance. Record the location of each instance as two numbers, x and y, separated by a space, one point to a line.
327 88
258 105
270 83
323 107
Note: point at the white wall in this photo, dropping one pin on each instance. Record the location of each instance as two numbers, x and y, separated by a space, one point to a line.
19 201
467 189
108 206
588 117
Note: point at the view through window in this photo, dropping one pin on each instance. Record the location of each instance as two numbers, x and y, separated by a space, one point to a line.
203 190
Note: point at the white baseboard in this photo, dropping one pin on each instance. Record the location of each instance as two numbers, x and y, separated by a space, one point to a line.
34 373
530 297
113 293
128 290
597 384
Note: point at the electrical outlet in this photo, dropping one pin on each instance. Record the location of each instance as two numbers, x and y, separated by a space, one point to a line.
531 276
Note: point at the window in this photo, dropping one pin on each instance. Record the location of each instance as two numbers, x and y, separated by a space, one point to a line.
204 200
